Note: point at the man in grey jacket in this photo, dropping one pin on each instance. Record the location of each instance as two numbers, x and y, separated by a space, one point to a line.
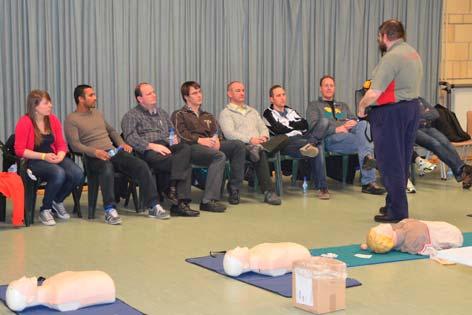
239 121
344 134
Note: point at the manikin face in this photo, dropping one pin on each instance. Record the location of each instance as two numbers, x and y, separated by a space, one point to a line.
148 98
44 108
236 261
278 99
21 293
195 97
236 93
327 89
89 98
385 229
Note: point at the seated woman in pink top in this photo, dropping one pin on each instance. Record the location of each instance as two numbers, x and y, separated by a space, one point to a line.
39 138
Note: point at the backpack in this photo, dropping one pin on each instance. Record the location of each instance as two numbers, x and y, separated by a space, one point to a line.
448 124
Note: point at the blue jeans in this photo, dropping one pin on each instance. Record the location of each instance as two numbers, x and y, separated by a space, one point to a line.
436 142
318 171
61 179
355 141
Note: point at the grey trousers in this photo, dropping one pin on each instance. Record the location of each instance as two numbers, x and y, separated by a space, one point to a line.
215 161
234 151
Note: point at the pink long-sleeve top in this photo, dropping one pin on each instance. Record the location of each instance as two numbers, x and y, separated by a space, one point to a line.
24 135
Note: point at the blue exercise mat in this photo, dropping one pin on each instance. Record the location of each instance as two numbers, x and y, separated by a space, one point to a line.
346 254
117 308
281 285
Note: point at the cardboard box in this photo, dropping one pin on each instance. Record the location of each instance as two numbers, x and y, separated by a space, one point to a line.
319 285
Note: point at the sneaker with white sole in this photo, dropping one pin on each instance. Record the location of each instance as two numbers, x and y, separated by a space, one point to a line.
45 216
59 210
159 213
410 188
112 217
424 166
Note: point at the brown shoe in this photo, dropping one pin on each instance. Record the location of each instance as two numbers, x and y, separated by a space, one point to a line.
372 189
466 176
323 194
309 150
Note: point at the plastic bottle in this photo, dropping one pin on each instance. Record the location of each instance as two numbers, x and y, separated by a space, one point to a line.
171 136
113 152
13 168
305 185
449 173
215 135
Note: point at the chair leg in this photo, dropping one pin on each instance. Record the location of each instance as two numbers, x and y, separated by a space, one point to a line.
132 187
345 164
294 173
256 183
30 200
92 196
76 194
443 170
3 208
226 176
278 175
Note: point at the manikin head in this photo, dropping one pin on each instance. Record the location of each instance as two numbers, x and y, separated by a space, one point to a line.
21 293
236 261
381 239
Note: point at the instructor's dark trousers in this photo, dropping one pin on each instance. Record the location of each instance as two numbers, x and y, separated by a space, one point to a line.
394 131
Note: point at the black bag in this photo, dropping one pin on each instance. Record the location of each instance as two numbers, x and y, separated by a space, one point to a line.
448 124
334 167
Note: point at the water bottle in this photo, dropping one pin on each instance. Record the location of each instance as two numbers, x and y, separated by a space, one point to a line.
449 173
113 152
171 136
13 168
215 136
305 185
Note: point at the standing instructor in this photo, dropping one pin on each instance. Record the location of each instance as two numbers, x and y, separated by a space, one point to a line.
394 116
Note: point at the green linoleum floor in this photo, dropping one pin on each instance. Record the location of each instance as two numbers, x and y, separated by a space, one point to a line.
145 256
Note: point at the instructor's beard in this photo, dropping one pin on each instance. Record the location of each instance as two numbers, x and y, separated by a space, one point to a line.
382 47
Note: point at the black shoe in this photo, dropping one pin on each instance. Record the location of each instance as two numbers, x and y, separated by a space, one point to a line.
385 218
271 198
369 163
383 210
212 206
171 195
233 197
183 210
372 189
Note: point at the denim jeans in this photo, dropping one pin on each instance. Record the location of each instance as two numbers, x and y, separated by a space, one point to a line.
436 142
61 179
355 141
318 171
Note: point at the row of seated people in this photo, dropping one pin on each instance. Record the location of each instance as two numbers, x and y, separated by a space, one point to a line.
328 125
430 138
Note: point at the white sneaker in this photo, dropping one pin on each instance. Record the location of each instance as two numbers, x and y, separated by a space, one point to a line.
410 188
159 213
46 217
424 166
112 217
59 210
